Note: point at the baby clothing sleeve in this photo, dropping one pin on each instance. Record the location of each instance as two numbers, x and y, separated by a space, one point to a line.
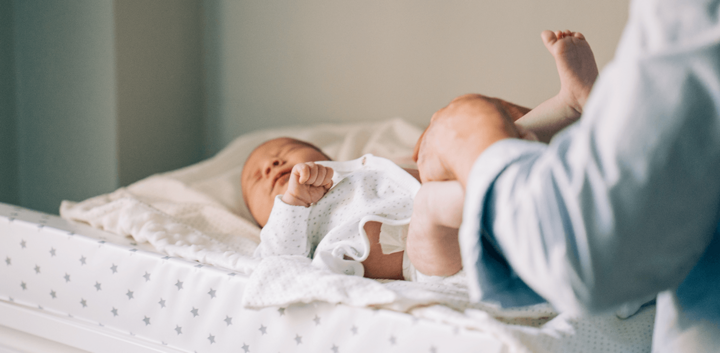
286 232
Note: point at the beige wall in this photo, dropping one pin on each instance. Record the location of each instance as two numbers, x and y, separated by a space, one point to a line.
272 63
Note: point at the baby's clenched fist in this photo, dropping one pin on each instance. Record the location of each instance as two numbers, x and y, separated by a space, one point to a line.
308 184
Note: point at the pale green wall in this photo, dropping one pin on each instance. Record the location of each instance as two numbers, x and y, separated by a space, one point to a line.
65 101
8 146
101 93
159 85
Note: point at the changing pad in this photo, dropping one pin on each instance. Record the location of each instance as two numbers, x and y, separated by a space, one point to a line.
198 213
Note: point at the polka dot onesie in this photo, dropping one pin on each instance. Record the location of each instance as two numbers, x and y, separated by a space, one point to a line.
331 231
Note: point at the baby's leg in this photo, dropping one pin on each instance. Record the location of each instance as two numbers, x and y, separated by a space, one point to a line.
575 64
379 265
432 244
578 71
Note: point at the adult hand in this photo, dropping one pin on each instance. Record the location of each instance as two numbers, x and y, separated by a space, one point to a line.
459 133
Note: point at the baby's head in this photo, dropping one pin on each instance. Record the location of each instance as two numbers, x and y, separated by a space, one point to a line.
267 171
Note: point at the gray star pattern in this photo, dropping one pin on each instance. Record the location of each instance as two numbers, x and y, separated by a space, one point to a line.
52 252
354 330
281 311
23 285
211 338
22 244
433 349
113 268
98 286
162 302
393 340
179 285
37 269
147 320
263 329
178 329
212 293
83 302
82 260
194 312
129 294
335 348
147 276
317 320
53 294
8 261
228 320
245 347
67 278
114 311
298 339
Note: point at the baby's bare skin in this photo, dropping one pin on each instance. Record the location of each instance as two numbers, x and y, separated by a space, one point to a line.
432 243
577 70
575 64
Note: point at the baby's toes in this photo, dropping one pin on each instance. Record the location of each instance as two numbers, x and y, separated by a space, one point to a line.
549 38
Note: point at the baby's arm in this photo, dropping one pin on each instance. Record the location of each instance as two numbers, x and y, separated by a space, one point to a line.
308 183
432 243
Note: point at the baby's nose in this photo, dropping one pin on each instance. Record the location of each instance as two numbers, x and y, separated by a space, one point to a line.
273 163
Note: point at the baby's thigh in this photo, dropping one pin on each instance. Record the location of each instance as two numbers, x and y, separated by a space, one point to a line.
379 265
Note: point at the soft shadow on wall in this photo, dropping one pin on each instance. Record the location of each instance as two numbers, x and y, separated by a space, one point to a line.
99 94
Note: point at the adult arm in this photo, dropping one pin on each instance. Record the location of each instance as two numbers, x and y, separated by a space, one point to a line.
623 203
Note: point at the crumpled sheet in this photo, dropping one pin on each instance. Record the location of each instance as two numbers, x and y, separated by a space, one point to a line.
198 213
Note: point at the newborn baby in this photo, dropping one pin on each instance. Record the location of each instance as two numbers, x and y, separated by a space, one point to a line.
350 217
355 217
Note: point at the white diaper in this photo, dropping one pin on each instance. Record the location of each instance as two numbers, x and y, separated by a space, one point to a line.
409 271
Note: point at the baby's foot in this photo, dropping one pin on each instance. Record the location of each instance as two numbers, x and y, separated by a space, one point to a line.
576 66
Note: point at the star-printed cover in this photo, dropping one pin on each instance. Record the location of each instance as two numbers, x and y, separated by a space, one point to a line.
84 274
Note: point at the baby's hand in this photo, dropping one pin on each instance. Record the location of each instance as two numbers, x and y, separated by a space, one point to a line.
308 184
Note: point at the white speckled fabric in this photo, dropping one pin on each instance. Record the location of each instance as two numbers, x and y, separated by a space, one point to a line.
331 231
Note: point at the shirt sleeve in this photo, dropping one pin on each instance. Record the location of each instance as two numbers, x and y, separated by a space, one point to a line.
286 231
622 204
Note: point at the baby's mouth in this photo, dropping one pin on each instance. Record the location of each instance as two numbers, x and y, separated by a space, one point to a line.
281 175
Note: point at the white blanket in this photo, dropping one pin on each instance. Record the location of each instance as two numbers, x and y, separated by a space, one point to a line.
198 213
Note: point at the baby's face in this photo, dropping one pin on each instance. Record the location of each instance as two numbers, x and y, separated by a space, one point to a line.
267 171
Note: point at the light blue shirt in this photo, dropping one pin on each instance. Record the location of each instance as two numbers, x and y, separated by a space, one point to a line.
624 204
